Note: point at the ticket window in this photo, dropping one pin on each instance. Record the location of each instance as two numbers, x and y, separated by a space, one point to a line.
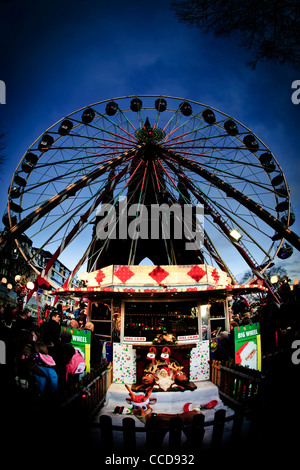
204 319
217 317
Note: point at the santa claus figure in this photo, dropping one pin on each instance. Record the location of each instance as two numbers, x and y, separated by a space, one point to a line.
246 355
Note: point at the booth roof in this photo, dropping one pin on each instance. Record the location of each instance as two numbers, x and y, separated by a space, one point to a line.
160 292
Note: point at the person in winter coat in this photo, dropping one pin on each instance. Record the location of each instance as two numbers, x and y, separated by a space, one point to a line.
96 347
24 342
50 330
45 363
63 354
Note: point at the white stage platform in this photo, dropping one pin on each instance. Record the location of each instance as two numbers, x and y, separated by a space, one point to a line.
167 402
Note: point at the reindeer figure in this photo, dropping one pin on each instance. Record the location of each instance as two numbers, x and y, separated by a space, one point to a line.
149 378
142 410
141 404
180 378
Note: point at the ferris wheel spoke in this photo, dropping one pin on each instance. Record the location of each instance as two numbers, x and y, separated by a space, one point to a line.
94 125
245 231
84 147
174 140
251 184
125 142
121 113
131 140
74 160
217 159
96 255
108 185
99 131
177 128
55 200
233 217
65 176
83 219
73 273
240 178
172 121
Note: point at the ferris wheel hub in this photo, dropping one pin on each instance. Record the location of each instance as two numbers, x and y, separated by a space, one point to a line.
149 134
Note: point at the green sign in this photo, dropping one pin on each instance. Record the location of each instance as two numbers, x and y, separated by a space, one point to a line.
247 345
81 339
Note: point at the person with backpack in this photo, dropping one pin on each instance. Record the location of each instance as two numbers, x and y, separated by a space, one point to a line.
48 382
69 363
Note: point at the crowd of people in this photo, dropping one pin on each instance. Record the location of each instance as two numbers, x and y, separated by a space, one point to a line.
38 356
279 322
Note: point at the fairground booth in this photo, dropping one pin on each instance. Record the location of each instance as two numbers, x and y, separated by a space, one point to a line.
159 319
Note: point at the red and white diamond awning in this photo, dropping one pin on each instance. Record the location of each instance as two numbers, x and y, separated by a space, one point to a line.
157 276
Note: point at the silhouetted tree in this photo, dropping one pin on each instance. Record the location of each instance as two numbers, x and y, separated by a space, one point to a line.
273 271
270 30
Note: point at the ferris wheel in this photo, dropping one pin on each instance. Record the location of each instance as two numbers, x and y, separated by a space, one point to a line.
186 150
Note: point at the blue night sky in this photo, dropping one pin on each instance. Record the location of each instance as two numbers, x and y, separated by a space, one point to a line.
59 56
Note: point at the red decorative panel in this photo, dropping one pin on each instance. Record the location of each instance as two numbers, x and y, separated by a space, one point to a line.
159 274
215 275
100 276
197 273
124 273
